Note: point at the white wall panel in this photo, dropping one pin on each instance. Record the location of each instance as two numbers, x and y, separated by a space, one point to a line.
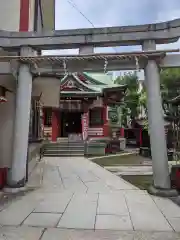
9 15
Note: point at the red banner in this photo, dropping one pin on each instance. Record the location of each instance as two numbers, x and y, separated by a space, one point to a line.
85 125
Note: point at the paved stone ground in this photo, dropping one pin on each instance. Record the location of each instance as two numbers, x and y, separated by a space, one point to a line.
76 199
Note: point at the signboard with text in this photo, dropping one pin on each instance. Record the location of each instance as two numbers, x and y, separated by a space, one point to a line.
85 125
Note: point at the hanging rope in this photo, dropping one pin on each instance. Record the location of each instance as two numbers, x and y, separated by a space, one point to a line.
137 64
105 65
65 66
102 56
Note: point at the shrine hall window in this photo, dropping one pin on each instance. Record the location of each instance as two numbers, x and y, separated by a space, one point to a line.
96 117
48 117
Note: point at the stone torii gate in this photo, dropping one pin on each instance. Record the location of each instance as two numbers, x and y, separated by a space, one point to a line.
149 59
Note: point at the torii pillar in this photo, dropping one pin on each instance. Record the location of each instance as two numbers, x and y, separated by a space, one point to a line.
161 175
17 173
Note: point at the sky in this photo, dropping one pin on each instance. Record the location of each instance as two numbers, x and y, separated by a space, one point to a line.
107 13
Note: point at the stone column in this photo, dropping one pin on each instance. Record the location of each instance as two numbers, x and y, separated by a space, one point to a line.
156 126
86 50
17 173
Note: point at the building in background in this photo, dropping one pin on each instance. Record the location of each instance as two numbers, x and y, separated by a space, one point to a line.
84 106
27 15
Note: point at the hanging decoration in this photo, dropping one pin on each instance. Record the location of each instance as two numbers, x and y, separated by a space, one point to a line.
105 65
65 66
3 99
137 64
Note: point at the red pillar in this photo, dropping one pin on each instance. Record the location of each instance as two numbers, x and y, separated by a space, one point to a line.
59 124
105 122
122 132
54 125
24 15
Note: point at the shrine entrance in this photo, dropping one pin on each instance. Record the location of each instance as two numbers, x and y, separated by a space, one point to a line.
70 123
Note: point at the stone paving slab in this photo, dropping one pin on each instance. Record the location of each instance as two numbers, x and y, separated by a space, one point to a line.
74 184
99 200
175 223
112 204
172 210
87 176
113 222
145 214
20 233
56 234
80 213
15 214
36 176
45 220
33 233
51 176
54 203
97 187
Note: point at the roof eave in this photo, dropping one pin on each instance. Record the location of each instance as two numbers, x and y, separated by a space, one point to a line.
115 88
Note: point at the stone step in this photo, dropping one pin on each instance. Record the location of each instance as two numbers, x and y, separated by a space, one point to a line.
64 150
63 146
63 154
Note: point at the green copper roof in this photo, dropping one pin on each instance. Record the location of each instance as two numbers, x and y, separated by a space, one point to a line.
102 78
96 82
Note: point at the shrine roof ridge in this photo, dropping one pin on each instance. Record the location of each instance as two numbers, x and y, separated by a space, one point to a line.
90 86
163 32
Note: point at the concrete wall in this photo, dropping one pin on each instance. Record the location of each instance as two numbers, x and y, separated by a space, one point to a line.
9 15
49 89
18 15
13 16
7 111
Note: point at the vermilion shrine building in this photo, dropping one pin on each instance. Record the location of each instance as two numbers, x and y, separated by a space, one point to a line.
87 102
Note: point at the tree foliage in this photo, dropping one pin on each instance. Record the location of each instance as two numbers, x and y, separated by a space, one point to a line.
170 83
135 99
130 108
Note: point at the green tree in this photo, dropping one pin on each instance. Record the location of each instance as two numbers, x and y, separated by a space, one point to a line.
170 83
135 99
130 109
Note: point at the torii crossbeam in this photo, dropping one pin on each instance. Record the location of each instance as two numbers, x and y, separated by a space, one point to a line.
86 40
